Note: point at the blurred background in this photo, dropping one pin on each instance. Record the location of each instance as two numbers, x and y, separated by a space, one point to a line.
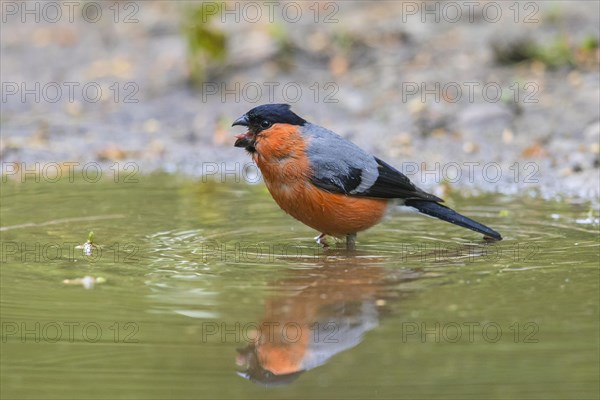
160 247
159 83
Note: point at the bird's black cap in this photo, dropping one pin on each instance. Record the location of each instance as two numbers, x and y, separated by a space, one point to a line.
264 116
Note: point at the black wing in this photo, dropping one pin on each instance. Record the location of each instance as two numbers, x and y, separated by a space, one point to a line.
393 184
339 166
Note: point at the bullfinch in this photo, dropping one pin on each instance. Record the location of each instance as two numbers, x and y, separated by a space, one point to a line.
328 182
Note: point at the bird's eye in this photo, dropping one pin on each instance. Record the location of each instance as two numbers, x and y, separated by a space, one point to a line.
265 124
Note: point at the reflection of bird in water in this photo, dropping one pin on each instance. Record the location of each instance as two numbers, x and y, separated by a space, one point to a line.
316 314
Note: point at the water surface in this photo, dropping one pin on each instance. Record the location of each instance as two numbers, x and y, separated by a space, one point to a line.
195 271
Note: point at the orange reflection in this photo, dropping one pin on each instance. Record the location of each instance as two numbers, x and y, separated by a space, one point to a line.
316 313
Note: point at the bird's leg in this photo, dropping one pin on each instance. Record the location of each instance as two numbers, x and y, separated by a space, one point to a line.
351 241
322 240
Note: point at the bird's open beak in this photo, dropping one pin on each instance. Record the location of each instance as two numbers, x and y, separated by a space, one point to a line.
244 140
242 121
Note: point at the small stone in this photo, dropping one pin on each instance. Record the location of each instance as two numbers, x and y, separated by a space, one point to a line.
507 136
574 78
415 106
317 41
470 147
112 152
151 126
338 65
438 132
565 172
538 67
155 148
74 108
534 151
404 139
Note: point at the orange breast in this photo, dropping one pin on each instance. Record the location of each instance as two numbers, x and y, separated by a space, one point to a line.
280 155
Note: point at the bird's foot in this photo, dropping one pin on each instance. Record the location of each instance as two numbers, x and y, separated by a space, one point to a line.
323 240
351 241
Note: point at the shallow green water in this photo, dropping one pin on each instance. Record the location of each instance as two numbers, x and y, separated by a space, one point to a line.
423 309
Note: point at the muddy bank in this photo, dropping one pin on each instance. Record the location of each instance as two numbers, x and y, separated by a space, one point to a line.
503 102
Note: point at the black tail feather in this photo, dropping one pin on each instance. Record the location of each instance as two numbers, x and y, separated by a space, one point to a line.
447 214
